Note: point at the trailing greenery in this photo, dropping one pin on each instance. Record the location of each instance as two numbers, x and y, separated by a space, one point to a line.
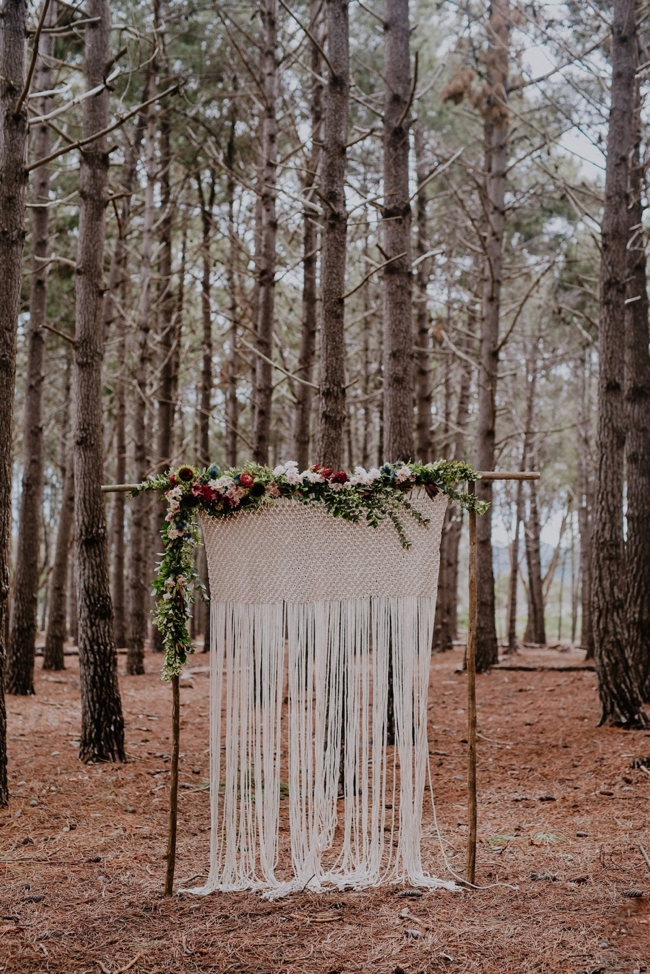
370 495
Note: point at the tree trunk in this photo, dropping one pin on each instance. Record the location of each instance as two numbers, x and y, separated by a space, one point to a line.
620 693
331 419
446 621
206 383
496 157
266 268
53 656
232 405
513 581
585 509
102 723
13 143
423 351
396 236
140 513
22 638
637 443
117 285
535 628
304 393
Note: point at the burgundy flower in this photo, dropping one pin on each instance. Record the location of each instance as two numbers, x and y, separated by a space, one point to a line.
315 468
246 480
172 479
205 492
339 478
327 472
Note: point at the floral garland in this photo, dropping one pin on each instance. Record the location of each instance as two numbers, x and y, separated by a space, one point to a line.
372 495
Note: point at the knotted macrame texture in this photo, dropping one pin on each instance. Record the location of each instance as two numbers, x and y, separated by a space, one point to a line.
308 615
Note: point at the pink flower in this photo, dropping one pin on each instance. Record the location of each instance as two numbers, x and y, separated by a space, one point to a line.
246 480
273 490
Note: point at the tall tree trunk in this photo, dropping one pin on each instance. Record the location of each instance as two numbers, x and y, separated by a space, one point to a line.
496 157
304 393
53 656
140 513
396 235
620 693
203 610
167 340
535 628
22 638
111 309
423 341
13 181
102 723
446 621
585 509
266 267
232 405
331 419
513 581
637 443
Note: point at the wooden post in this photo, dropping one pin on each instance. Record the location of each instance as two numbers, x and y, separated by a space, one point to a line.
173 791
471 702
472 811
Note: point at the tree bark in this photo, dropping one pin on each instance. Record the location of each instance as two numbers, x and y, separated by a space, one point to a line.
266 267
232 405
446 621
53 655
513 581
620 693
396 235
140 505
22 638
637 406
585 509
496 131
304 393
102 723
331 419
535 628
423 342
13 181
206 382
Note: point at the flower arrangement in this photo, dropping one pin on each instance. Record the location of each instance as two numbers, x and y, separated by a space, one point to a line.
372 495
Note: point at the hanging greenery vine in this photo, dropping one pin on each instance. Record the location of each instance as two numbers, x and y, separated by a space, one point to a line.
370 495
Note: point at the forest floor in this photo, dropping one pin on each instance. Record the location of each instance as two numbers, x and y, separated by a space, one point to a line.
562 816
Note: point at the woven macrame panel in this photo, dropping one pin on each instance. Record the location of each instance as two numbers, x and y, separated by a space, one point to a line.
292 552
309 614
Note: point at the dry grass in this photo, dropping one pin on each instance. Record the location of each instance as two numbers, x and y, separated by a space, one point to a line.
83 848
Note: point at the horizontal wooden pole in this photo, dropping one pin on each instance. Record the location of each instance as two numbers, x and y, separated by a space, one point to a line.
115 488
508 475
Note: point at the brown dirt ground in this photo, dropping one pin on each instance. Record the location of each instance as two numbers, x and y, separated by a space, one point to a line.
82 848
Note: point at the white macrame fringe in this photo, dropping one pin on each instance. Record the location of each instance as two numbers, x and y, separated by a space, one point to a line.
331 658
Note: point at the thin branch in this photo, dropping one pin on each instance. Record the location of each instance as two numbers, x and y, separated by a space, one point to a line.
391 260
32 63
289 375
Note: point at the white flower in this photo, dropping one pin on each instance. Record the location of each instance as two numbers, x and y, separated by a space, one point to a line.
174 533
360 476
174 494
279 470
222 483
313 476
337 486
404 473
167 596
293 477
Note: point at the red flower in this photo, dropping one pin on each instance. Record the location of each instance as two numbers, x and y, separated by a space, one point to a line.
315 468
172 479
246 480
327 472
339 478
205 492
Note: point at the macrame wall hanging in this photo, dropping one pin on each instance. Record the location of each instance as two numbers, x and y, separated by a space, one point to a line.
323 595
308 613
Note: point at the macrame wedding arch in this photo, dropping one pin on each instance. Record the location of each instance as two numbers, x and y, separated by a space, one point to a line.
308 612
